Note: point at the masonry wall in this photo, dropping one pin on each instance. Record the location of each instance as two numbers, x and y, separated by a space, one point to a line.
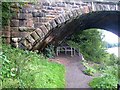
32 23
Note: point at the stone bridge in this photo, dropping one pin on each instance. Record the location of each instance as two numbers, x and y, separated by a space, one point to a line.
36 25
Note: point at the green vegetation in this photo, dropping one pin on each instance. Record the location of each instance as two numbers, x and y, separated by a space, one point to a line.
90 44
97 60
49 51
26 69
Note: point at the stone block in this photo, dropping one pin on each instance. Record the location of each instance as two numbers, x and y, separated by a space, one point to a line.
29 23
66 17
70 14
30 15
6 34
27 44
6 28
14 40
39 32
48 25
44 29
30 39
36 19
53 23
62 19
0 32
24 34
38 14
22 23
79 11
6 40
35 35
15 34
26 29
15 16
22 16
14 23
37 25
14 29
58 21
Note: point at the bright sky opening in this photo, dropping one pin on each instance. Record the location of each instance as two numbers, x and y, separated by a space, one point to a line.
110 37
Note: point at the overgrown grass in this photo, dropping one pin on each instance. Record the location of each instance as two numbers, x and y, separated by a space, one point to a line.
25 69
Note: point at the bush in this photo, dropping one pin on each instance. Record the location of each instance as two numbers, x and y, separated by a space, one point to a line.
89 71
49 51
104 82
27 69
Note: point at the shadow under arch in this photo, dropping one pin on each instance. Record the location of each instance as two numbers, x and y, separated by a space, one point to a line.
107 20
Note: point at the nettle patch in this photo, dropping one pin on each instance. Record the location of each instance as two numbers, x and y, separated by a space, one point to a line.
27 69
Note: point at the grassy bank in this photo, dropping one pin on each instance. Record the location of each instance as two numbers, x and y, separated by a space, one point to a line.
25 69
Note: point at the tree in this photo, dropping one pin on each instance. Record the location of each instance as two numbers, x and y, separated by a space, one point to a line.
90 44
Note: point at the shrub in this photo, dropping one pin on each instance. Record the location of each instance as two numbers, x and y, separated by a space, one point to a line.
89 71
104 82
27 69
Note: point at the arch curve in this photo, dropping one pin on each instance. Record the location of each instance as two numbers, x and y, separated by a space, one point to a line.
107 20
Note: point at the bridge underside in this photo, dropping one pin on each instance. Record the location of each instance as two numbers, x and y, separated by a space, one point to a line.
107 20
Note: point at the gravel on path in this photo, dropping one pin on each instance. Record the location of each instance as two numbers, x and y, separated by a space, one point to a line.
75 78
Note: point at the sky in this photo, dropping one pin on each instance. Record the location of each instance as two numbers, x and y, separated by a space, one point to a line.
110 37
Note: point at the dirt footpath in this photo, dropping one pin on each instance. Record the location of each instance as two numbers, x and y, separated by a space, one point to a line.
75 78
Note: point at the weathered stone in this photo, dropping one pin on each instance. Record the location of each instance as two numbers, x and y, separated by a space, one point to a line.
6 33
30 39
22 16
29 23
22 23
38 14
36 19
0 32
70 14
39 32
15 40
53 23
57 20
14 29
24 34
27 44
44 29
30 15
86 9
35 35
15 16
48 26
62 19
6 28
78 11
21 45
75 13
15 34
14 23
27 29
6 40
37 25
67 17
43 20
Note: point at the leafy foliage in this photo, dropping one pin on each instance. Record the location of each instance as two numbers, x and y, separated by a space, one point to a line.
25 69
49 51
90 44
104 82
109 74
89 71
